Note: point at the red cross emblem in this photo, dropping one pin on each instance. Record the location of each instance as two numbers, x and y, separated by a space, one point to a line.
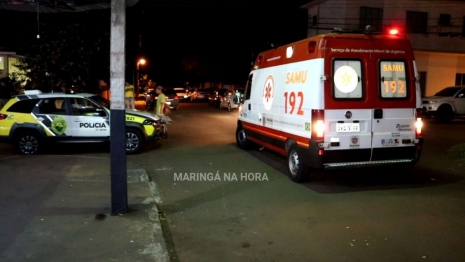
268 92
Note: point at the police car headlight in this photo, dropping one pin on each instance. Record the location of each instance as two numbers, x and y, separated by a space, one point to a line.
432 102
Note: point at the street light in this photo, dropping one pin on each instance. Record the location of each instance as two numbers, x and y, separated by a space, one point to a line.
139 63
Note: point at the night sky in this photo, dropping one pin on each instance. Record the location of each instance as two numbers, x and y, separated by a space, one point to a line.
226 35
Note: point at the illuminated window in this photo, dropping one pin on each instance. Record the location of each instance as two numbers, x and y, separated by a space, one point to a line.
2 63
393 81
347 75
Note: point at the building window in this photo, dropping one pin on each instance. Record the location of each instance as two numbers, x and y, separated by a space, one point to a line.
444 19
460 79
417 22
2 63
371 16
463 27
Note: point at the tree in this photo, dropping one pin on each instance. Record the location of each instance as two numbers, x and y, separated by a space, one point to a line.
72 50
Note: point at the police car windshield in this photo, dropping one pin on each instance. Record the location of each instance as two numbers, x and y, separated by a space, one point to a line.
102 101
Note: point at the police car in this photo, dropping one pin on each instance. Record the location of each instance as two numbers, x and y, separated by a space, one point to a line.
32 120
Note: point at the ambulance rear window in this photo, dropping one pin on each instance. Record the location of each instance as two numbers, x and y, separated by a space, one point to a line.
347 79
393 82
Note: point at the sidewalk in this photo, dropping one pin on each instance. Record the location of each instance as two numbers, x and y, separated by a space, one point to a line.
57 208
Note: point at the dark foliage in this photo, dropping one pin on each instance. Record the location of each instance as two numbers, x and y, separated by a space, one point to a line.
73 48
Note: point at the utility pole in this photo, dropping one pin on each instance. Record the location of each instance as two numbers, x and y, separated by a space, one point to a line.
119 183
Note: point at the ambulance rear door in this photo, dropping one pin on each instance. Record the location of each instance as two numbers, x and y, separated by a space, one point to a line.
394 107
348 106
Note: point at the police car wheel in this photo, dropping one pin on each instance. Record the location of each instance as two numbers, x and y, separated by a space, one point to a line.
133 141
297 171
241 138
28 143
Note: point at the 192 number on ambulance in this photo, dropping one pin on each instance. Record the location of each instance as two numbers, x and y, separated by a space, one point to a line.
290 99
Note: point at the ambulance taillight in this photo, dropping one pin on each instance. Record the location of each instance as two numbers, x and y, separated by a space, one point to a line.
318 124
418 123
393 31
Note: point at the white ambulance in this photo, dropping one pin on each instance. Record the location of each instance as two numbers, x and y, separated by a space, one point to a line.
335 100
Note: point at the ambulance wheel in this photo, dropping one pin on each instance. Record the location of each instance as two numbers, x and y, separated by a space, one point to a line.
297 170
28 143
241 138
133 141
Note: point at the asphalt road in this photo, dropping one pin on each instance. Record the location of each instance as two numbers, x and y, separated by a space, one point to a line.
375 214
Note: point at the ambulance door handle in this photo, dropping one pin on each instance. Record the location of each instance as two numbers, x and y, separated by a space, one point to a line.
249 107
378 113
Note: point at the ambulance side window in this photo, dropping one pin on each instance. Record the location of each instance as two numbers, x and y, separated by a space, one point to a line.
393 79
248 89
347 79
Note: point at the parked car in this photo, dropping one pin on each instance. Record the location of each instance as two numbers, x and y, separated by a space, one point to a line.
172 98
231 99
214 99
445 104
31 122
198 95
182 94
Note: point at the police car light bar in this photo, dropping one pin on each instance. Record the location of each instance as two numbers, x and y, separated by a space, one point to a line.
32 92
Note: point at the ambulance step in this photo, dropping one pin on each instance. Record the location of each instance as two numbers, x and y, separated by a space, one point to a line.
367 163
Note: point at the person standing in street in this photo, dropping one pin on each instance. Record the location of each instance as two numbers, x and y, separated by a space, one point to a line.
104 89
160 101
129 96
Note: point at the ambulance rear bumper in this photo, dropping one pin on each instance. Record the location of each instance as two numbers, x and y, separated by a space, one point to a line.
322 158
366 164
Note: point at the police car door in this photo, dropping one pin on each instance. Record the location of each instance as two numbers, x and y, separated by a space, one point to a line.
53 116
90 121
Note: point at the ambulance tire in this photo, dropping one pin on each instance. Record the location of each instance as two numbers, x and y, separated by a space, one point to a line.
28 143
297 170
134 141
241 138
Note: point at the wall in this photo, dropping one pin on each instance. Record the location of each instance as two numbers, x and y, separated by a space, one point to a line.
440 57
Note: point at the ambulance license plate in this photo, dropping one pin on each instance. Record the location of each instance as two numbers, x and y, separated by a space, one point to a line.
347 127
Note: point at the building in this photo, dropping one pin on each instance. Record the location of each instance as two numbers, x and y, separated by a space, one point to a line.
8 62
436 29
